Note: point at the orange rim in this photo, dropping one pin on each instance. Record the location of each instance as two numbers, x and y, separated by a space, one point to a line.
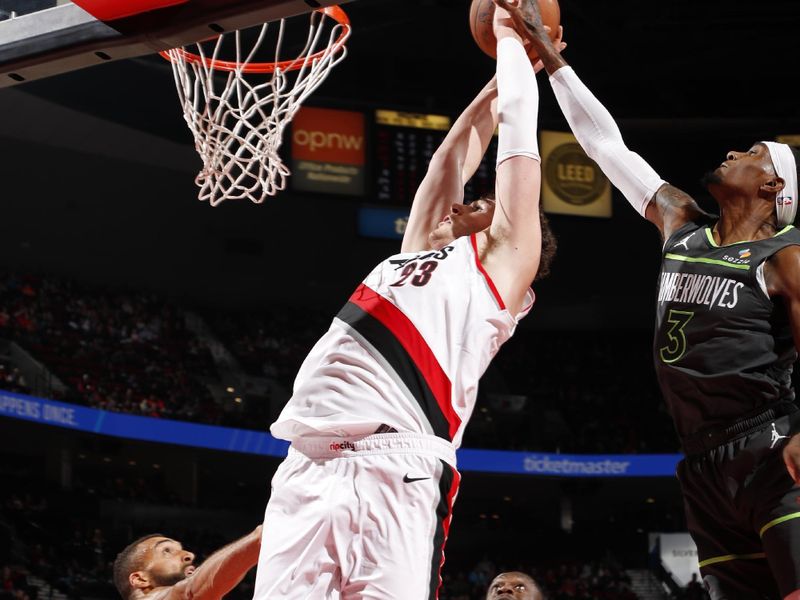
334 12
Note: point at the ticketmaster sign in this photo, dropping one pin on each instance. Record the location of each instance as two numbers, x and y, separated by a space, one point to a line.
90 420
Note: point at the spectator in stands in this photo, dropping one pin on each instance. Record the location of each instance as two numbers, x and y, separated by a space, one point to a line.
514 585
157 567
694 590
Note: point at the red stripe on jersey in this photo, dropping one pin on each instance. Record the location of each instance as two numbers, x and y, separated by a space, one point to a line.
451 499
489 281
410 338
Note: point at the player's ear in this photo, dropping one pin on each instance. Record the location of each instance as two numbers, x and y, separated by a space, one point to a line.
773 186
139 580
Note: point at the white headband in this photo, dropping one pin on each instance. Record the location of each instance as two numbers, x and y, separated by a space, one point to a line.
786 169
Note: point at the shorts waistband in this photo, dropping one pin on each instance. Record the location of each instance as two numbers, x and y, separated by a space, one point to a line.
709 439
376 444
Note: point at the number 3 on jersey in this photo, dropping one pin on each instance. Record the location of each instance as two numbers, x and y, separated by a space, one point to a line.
421 273
676 348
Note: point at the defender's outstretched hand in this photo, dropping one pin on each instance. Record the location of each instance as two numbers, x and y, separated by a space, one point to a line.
527 18
559 44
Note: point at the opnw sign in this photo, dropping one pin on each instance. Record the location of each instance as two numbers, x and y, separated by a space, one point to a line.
328 151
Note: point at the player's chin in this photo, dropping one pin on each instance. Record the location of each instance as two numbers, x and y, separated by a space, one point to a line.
440 237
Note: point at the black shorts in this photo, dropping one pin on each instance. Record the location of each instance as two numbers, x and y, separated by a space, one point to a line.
743 512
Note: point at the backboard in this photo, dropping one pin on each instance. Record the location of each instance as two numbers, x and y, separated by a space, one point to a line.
41 38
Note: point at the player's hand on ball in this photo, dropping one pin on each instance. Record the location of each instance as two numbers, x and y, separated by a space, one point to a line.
559 44
791 456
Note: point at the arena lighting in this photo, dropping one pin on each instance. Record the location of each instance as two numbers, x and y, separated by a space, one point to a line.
90 420
230 390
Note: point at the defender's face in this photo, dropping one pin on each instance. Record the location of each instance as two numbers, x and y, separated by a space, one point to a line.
746 171
463 219
513 586
166 562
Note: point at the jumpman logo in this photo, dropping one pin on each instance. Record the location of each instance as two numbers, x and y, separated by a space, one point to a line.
685 241
776 437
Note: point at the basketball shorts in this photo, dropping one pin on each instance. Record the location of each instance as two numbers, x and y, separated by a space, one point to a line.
743 511
358 519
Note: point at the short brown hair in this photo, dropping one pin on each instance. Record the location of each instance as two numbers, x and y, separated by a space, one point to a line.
126 563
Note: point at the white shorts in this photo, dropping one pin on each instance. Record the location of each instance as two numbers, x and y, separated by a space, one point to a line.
358 518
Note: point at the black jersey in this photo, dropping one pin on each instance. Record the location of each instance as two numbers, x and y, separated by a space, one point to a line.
723 349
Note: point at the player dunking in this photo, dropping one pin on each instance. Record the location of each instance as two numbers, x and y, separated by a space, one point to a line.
361 507
728 324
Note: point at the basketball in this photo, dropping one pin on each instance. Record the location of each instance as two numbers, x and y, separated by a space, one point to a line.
481 13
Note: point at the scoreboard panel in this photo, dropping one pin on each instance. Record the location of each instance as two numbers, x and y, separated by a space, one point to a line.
403 144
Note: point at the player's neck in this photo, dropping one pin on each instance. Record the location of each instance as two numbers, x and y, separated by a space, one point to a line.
153 593
741 225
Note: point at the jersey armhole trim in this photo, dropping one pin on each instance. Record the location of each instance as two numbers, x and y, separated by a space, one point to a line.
474 241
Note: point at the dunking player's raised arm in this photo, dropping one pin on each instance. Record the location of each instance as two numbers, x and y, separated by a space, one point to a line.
513 244
451 166
664 205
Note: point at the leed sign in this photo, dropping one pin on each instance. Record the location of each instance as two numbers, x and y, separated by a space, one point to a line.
328 151
572 183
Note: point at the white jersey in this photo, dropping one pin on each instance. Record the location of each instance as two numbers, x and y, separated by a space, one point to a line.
406 351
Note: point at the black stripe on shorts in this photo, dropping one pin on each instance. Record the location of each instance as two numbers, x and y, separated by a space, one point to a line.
443 509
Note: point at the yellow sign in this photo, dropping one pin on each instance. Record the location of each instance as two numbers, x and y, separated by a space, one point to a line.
572 183
416 120
791 140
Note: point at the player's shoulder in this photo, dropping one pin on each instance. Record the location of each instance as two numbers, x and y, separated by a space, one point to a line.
783 271
789 234
689 228
674 209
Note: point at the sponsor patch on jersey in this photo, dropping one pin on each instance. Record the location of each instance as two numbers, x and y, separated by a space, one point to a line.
742 259
342 446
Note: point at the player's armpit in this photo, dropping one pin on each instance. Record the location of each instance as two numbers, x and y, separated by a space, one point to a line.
671 208
515 236
782 276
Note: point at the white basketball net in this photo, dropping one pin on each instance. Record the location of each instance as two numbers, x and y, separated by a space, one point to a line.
237 118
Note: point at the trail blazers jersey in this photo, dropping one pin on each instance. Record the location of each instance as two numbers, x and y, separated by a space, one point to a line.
723 348
406 351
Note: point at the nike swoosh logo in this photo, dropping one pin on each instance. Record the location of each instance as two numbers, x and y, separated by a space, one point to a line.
407 479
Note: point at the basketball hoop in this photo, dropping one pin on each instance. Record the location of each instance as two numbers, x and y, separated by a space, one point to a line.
238 123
